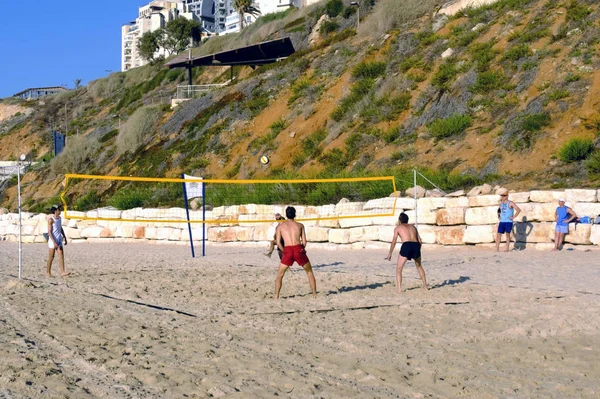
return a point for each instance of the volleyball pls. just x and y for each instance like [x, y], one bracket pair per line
[264, 159]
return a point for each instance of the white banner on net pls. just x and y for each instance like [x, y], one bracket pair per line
[193, 189]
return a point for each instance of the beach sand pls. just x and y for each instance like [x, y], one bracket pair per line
[149, 321]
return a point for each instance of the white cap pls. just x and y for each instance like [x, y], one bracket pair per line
[561, 200]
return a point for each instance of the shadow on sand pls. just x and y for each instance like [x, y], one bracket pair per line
[460, 280]
[358, 287]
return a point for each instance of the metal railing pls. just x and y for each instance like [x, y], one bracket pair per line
[194, 91]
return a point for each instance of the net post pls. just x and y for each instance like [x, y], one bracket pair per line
[187, 214]
[20, 223]
[415, 195]
[203, 219]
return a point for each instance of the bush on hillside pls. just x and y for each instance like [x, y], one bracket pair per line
[576, 150]
[369, 70]
[451, 126]
[392, 14]
[138, 127]
[593, 163]
[327, 27]
[79, 152]
[535, 122]
[333, 8]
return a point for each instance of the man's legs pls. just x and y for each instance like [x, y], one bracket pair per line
[311, 278]
[507, 241]
[421, 273]
[498, 242]
[278, 281]
[271, 247]
[558, 237]
[49, 265]
[401, 261]
[61, 262]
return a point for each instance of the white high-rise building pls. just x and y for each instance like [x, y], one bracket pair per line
[153, 16]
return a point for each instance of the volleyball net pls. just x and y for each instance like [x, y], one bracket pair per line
[165, 200]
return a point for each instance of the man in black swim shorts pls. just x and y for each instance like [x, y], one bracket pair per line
[410, 249]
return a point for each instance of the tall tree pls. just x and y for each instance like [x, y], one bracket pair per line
[180, 34]
[149, 44]
[244, 7]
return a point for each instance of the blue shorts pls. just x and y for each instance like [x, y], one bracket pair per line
[562, 229]
[505, 227]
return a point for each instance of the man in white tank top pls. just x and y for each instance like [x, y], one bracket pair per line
[56, 237]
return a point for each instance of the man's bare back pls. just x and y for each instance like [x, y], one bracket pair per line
[407, 233]
[292, 232]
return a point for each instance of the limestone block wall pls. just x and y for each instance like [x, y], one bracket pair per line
[463, 220]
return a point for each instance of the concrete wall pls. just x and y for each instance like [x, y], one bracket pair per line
[464, 220]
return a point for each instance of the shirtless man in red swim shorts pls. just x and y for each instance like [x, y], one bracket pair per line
[411, 249]
[294, 236]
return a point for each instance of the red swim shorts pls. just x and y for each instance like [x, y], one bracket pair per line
[295, 253]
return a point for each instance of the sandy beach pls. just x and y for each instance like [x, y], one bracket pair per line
[149, 321]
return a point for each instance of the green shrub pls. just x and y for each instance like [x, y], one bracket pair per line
[593, 163]
[576, 150]
[488, 81]
[80, 152]
[333, 8]
[130, 198]
[258, 102]
[334, 160]
[136, 129]
[310, 147]
[426, 38]
[572, 77]
[535, 122]
[369, 70]
[402, 155]
[108, 136]
[327, 27]
[358, 91]
[517, 52]
[348, 12]
[557, 94]
[299, 88]
[483, 54]
[577, 12]
[87, 202]
[445, 75]
[451, 126]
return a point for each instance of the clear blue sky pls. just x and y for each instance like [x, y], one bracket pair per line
[54, 43]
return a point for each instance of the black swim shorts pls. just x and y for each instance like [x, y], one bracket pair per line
[410, 250]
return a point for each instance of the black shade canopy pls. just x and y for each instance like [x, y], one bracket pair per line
[257, 54]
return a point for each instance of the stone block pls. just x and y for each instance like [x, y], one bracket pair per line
[317, 234]
[386, 233]
[459, 193]
[264, 232]
[346, 208]
[151, 233]
[71, 233]
[481, 215]
[244, 233]
[384, 203]
[368, 233]
[519, 197]
[546, 196]
[578, 233]
[363, 219]
[423, 216]
[457, 202]
[138, 232]
[447, 235]
[528, 232]
[75, 215]
[248, 209]
[332, 223]
[428, 234]
[536, 212]
[91, 232]
[450, 216]
[387, 220]
[480, 234]
[591, 209]
[595, 234]
[419, 190]
[405, 203]
[339, 236]
[221, 234]
[109, 213]
[325, 210]
[484, 200]
[431, 202]
[579, 195]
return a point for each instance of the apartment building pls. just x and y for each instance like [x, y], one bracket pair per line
[152, 16]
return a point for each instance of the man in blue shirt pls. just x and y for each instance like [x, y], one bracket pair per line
[562, 216]
[507, 211]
